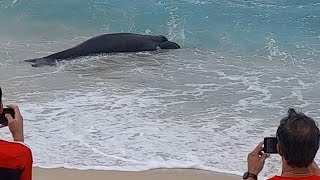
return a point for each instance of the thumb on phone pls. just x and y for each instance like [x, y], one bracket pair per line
[9, 118]
[11, 123]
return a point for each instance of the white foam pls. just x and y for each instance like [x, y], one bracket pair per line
[183, 109]
[69, 116]
[199, 2]
[14, 2]
[176, 25]
[148, 31]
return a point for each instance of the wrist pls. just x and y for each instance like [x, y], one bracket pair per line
[249, 176]
[18, 137]
[252, 171]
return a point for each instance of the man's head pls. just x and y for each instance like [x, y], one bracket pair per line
[298, 139]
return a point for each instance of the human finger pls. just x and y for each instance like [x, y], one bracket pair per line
[15, 108]
[258, 149]
[12, 106]
[9, 118]
[264, 156]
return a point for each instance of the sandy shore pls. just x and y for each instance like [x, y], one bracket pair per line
[158, 174]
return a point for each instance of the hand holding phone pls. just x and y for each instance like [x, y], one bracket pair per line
[270, 145]
[3, 119]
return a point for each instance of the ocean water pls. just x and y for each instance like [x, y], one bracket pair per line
[242, 64]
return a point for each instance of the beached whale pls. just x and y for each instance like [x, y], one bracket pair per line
[108, 43]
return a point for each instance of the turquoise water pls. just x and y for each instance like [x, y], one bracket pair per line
[206, 105]
[227, 24]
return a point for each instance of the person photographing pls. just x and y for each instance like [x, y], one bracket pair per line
[297, 143]
[15, 157]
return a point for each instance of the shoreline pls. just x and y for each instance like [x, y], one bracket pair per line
[154, 174]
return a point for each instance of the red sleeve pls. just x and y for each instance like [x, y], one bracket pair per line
[15, 155]
[313, 177]
[273, 178]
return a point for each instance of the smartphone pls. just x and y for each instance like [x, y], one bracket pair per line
[3, 119]
[270, 145]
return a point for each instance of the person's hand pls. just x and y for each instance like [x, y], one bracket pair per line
[15, 125]
[256, 159]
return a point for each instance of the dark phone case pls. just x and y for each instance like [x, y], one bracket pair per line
[3, 119]
[270, 145]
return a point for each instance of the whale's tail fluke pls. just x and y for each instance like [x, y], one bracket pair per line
[41, 62]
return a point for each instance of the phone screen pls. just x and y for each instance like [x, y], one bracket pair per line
[270, 145]
[3, 119]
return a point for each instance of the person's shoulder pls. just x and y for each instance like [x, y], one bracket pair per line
[314, 177]
[13, 142]
[14, 145]
[275, 178]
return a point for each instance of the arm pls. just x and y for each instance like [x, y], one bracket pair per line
[16, 129]
[256, 160]
[16, 124]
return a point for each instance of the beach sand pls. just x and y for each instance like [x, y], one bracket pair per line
[158, 174]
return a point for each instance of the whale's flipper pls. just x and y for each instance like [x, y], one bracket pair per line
[42, 62]
[30, 60]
